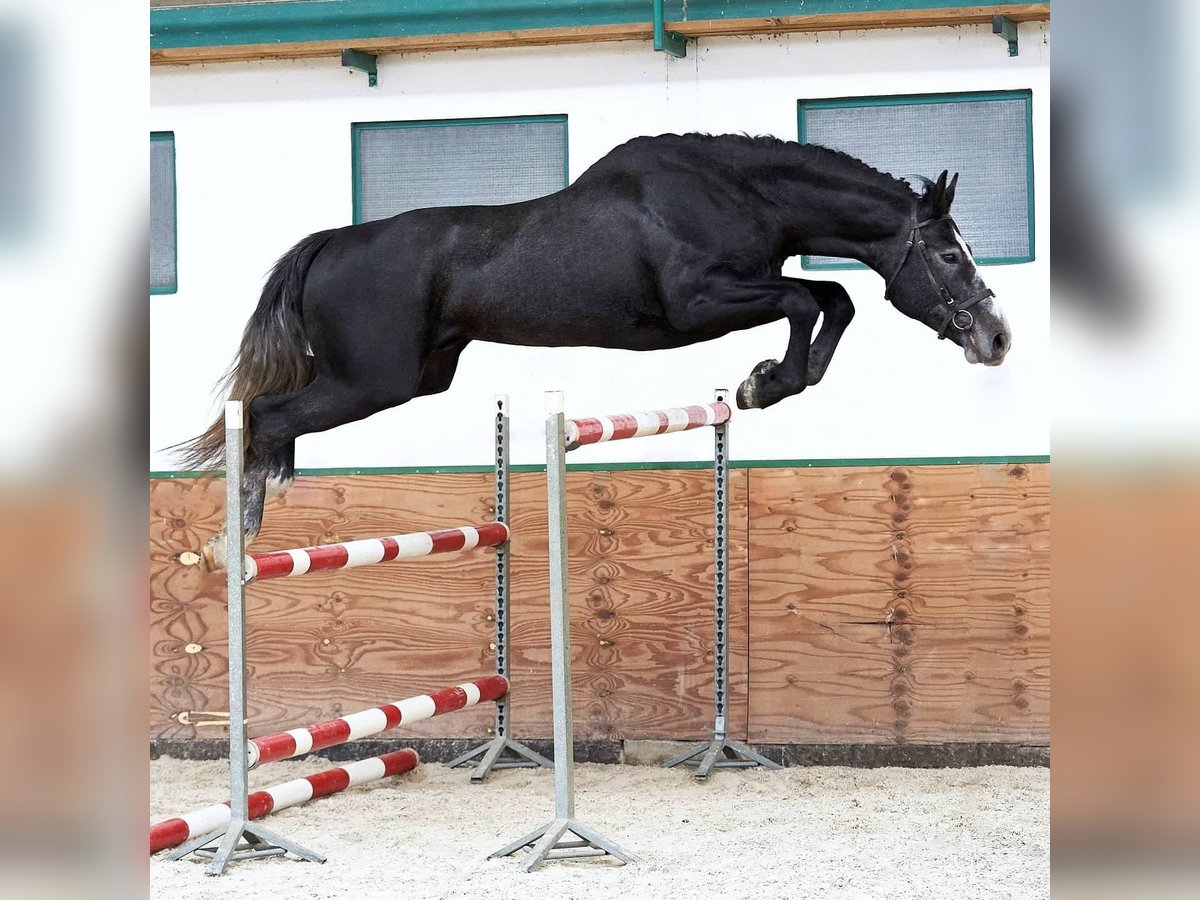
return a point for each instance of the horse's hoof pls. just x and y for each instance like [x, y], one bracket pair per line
[747, 394]
[212, 557]
[764, 367]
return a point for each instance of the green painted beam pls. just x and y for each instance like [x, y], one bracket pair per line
[671, 43]
[301, 21]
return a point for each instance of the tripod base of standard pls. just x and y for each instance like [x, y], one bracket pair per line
[720, 753]
[259, 843]
[563, 839]
[500, 753]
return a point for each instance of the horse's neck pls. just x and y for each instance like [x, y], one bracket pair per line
[857, 219]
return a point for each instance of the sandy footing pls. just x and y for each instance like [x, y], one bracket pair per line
[802, 832]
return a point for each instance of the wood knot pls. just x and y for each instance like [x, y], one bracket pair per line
[605, 642]
[1018, 471]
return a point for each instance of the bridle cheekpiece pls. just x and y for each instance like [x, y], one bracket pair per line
[958, 312]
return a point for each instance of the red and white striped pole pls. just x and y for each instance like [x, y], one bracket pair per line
[173, 832]
[630, 425]
[347, 555]
[299, 741]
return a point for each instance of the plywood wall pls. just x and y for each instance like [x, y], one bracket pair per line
[900, 604]
[867, 605]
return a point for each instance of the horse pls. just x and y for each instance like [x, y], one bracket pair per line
[665, 241]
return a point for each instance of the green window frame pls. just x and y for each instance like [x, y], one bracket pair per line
[803, 107]
[357, 129]
[173, 286]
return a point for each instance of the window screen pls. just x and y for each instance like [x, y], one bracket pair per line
[400, 166]
[163, 276]
[987, 137]
[17, 137]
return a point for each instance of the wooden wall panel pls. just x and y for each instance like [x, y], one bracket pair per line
[893, 604]
[321, 646]
[867, 605]
[640, 545]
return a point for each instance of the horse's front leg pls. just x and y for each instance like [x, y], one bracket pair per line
[725, 301]
[772, 381]
[837, 311]
[804, 364]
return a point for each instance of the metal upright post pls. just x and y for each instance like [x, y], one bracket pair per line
[501, 752]
[722, 751]
[260, 842]
[581, 839]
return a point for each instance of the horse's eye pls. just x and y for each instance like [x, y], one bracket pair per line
[950, 257]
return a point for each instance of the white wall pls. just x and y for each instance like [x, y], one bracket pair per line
[263, 158]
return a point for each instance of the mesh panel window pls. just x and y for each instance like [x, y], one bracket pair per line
[400, 166]
[986, 137]
[163, 276]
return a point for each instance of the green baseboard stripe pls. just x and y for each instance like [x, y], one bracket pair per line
[1014, 459]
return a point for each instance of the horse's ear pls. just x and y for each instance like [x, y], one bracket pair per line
[950, 189]
[938, 199]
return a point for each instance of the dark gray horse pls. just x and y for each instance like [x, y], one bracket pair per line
[664, 242]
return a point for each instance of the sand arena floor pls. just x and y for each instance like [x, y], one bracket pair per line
[802, 832]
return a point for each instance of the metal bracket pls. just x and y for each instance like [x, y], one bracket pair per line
[670, 42]
[363, 62]
[1007, 29]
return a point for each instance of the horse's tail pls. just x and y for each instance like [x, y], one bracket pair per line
[273, 357]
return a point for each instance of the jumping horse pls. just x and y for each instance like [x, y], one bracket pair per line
[665, 241]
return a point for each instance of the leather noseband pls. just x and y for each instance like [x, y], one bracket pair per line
[958, 312]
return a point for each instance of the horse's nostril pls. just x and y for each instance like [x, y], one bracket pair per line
[1000, 343]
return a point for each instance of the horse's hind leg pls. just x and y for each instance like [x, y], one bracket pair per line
[276, 421]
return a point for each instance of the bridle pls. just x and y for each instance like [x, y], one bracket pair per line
[958, 312]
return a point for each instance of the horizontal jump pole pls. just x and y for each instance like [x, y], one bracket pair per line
[173, 832]
[630, 425]
[347, 555]
[299, 741]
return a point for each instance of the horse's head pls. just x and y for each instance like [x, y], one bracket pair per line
[934, 279]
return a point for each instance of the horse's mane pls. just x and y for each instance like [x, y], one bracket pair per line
[817, 153]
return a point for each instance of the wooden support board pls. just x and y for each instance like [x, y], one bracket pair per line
[900, 604]
[323, 645]
[866, 605]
